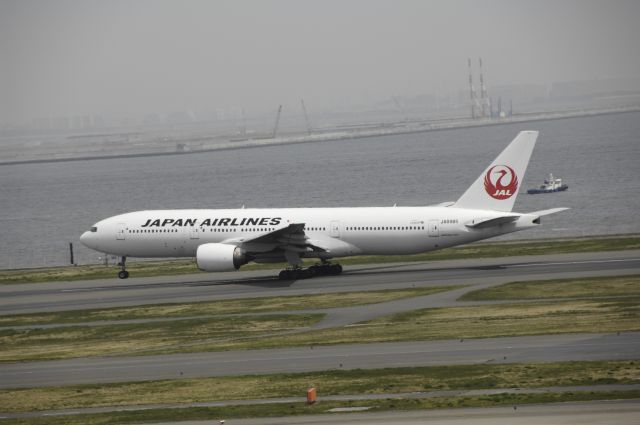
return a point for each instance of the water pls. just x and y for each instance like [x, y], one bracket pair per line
[46, 206]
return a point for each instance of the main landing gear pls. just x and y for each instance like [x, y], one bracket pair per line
[323, 269]
[123, 273]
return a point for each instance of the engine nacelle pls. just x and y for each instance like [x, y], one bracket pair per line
[218, 257]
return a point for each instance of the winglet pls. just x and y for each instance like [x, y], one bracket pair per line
[497, 187]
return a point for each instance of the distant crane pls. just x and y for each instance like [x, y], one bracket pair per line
[484, 98]
[275, 127]
[475, 104]
[306, 116]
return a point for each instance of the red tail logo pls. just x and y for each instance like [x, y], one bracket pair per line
[501, 182]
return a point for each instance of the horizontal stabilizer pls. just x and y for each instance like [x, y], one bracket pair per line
[542, 213]
[490, 222]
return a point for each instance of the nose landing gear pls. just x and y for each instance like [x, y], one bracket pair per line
[123, 273]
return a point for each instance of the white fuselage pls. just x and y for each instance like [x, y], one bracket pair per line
[340, 231]
[222, 240]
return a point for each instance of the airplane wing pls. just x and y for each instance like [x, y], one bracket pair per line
[548, 212]
[489, 222]
[291, 238]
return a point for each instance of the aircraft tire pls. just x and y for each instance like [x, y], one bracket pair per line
[123, 274]
[284, 275]
[302, 274]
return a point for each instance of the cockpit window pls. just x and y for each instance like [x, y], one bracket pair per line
[94, 229]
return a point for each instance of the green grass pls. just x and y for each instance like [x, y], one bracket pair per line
[613, 286]
[472, 322]
[214, 308]
[510, 249]
[200, 326]
[216, 333]
[143, 338]
[323, 407]
[89, 272]
[484, 250]
[332, 382]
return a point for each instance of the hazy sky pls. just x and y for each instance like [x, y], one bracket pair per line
[130, 58]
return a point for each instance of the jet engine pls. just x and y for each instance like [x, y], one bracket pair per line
[218, 257]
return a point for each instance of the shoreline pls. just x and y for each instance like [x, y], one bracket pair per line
[398, 128]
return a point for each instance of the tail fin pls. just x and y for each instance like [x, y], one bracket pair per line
[497, 187]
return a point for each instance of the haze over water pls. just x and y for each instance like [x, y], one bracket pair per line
[46, 206]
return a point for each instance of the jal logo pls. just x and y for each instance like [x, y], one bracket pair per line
[501, 182]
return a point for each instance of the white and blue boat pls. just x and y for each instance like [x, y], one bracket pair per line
[550, 185]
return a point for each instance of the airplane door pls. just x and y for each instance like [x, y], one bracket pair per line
[334, 229]
[120, 229]
[193, 234]
[434, 228]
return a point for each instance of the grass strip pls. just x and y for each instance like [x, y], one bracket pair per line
[143, 338]
[486, 321]
[331, 382]
[611, 286]
[484, 250]
[213, 308]
[257, 332]
[512, 248]
[293, 409]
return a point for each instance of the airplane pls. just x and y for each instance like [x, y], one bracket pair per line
[226, 239]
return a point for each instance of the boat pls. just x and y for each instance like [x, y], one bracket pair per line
[550, 185]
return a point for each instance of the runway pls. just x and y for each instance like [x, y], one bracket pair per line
[59, 296]
[477, 273]
[624, 412]
[611, 388]
[543, 348]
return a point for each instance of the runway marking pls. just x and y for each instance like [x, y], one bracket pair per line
[559, 263]
[434, 350]
[81, 289]
[564, 263]
[390, 266]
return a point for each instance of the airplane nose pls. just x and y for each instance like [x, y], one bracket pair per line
[85, 238]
